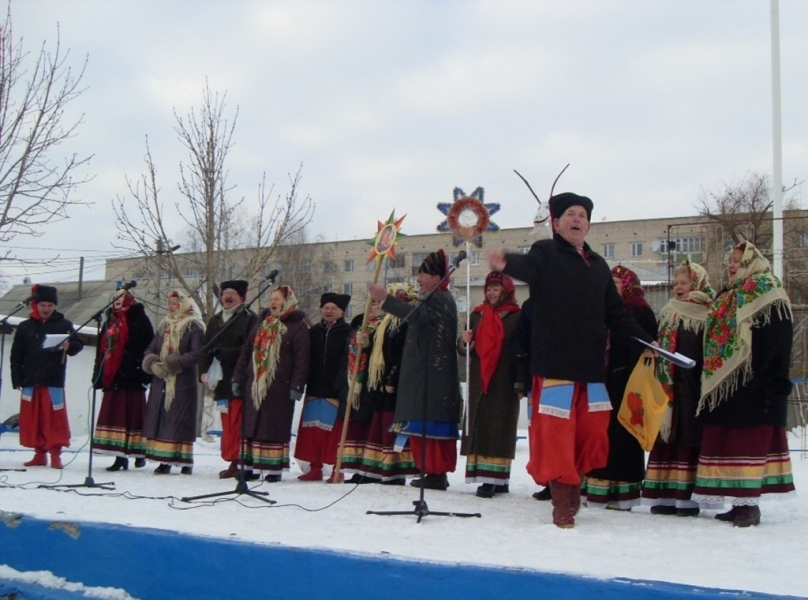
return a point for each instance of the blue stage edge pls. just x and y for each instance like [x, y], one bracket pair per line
[150, 563]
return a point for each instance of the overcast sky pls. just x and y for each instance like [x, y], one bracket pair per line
[393, 104]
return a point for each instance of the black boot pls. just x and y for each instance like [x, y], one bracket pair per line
[187, 470]
[140, 463]
[272, 478]
[502, 488]
[120, 463]
[746, 516]
[486, 490]
[728, 516]
[162, 469]
[543, 495]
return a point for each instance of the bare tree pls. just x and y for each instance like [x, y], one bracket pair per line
[216, 224]
[36, 185]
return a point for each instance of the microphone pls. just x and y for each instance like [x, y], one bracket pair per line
[27, 300]
[273, 274]
[461, 256]
[129, 285]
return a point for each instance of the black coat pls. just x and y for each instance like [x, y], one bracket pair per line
[130, 375]
[626, 460]
[384, 397]
[429, 364]
[574, 305]
[227, 347]
[327, 360]
[763, 400]
[686, 427]
[31, 365]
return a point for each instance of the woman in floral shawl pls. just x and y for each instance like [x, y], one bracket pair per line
[744, 390]
[671, 471]
[171, 359]
[489, 436]
[123, 341]
[271, 374]
[618, 485]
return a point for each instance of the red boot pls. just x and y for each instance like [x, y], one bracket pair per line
[56, 458]
[229, 472]
[40, 460]
[562, 507]
[333, 478]
[314, 474]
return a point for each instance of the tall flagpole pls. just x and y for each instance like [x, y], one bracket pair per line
[777, 145]
[468, 326]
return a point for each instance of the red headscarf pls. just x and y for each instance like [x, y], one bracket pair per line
[113, 340]
[632, 292]
[490, 335]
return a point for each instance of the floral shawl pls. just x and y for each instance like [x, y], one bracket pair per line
[266, 351]
[113, 340]
[174, 327]
[747, 301]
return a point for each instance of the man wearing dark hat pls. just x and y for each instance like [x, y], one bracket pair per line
[317, 441]
[40, 374]
[428, 395]
[575, 307]
[226, 350]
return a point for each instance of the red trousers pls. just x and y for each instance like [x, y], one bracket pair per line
[566, 449]
[231, 430]
[42, 427]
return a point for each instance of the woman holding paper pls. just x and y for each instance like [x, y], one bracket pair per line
[617, 485]
[118, 371]
[671, 471]
[744, 391]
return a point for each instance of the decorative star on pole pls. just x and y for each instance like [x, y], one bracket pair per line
[468, 217]
[386, 238]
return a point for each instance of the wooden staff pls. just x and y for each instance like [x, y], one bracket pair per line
[337, 474]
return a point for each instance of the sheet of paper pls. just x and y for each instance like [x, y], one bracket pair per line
[54, 339]
[680, 360]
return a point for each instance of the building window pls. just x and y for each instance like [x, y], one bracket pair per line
[347, 288]
[326, 288]
[636, 249]
[348, 266]
[689, 244]
[608, 250]
[474, 260]
[306, 266]
[524, 249]
[328, 266]
[398, 263]
[370, 266]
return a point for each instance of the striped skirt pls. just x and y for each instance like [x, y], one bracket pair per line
[488, 469]
[670, 475]
[739, 464]
[119, 430]
[380, 461]
[271, 458]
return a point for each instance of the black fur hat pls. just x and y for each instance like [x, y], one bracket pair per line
[561, 202]
[46, 293]
[341, 300]
[239, 285]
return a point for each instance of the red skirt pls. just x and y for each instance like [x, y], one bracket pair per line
[119, 430]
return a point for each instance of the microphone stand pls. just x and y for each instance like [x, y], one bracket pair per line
[242, 489]
[89, 482]
[6, 328]
[421, 509]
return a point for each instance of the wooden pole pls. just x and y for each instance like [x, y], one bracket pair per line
[336, 476]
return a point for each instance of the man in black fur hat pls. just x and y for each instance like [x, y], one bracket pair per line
[429, 384]
[40, 374]
[317, 442]
[575, 307]
[226, 351]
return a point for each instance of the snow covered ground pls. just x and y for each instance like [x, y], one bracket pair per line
[515, 530]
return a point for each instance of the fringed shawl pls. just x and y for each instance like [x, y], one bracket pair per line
[376, 367]
[174, 327]
[267, 347]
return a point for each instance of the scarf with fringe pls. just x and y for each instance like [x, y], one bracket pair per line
[353, 350]
[266, 352]
[691, 314]
[376, 367]
[174, 327]
[747, 301]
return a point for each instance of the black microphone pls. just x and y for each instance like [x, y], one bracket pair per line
[461, 256]
[27, 300]
[273, 274]
[129, 286]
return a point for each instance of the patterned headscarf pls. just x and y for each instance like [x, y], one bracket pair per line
[406, 293]
[174, 327]
[747, 299]
[266, 351]
[691, 314]
[630, 282]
